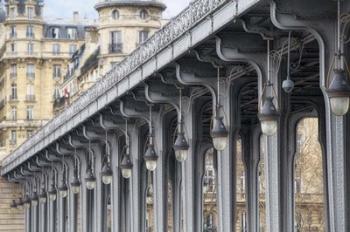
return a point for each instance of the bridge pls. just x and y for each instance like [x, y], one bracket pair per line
[218, 72]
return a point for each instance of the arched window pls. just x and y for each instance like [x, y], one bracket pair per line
[240, 189]
[13, 91]
[13, 113]
[143, 14]
[107, 208]
[149, 204]
[308, 179]
[261, 186]
[115, 14]
[209, 193]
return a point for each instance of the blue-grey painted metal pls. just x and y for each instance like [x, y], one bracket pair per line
[185, 55]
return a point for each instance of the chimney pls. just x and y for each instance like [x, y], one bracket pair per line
[75, 16]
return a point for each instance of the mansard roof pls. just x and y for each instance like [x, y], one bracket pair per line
[139, 3]
[194, 24]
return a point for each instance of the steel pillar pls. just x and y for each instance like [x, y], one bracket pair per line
[251, 154]
[324, 31]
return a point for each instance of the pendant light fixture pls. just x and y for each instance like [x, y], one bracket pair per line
[150, 156]
[126, 164]
[339, 88]
[34, 199]
[90, 178]
[181, 145]
[75, 184]
[268, 113]
[26, 202]
[42, 195]
[218, 132]
[63, 189]
[288, 84]
[52, 190]
[107, 173]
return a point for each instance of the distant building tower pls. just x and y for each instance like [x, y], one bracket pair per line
[33, 55]
[123, 25]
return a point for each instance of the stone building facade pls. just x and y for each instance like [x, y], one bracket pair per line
[122, 27]
[41, 62]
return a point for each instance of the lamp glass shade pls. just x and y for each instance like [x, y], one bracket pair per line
[151, 165]
[75, 189]
[126, 166]
[91, 184]
[339, 92]
[63, 193]
[220, 143]
[181, 147]
[34, 203]
[107, 174]
[52, 196]
[107, 179]
[219, 134]
[340, 105]
[269, 128]
[181, 155]
[42, 199]
[75, 185]
[151, 158]
[269, 117]
[90, 180]
[126, 173]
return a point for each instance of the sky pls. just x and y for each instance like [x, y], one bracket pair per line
[65, 8]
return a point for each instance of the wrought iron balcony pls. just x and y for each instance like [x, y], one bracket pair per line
[116, 48]
[30, 97]
[13, 141]
[13, 35]
[30, 75]
[2, 103]
[13, 97]
[13, 75]
[30, 35]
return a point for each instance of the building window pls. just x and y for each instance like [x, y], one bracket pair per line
[30, 48]
[30, 71]
[13, 91]
[143, 36]
[13, 32]
[56, 71]
[13, 47]
[29, 112]
[30, 93]
[13, 139]
[30, 12]
[13, 71]
[116, 45]
[72, 49]
[30, 32]
[13, 113]
[56, 93]
[115, 14]
[55, 32]
[56, 49]
[29, 133]
[72, 33]
[12, 12]
[143, 14]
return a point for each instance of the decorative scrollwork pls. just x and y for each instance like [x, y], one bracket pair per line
[176, 27]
